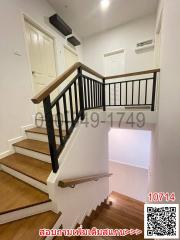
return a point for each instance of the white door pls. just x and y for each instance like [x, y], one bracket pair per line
[114, 64]
[70, 58]
[42, 58]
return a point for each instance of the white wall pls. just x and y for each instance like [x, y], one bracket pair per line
[130, 146]
[85, 154]
[125, 36]
[129, 180]
[15, 83]
[165, 165]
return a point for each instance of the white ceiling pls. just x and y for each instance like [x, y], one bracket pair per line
[86, 17]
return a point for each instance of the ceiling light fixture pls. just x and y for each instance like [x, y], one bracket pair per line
[105, 4]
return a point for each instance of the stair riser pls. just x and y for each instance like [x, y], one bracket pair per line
[25, 178]
[42, 124]
[33, 154]
[40, 137]
[25, 212]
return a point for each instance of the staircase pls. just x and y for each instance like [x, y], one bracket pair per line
[25, 206]
[122, 212]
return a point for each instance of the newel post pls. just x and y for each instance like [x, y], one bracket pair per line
[50, 133]
[81, 97]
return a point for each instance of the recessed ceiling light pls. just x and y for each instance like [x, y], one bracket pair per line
[105, 4]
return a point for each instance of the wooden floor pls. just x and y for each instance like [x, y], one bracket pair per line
[28, 166]
[125, 212]
[28, 228]
[16, 194]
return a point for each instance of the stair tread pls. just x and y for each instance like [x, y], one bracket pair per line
[43, 131]
[28, 228]
[34, 145]
[125, 212]
[29, 166]
[16, 194]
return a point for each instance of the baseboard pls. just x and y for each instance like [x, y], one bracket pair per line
[11, 149]
[129, 164]
[5, 154]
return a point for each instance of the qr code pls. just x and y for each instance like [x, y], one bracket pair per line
[161, 221]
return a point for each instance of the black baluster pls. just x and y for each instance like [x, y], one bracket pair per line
[126, 93]
[114, 93]
[98, 95]
[88, 89]
[71, 106]
[85, 94]
[109, 94]
[81, 97]
[65, 114]
[139, 92]
[76, 99]
[132, 92]
[146, 93]
[59, 124]
[92, 100]
[94, 88]
[103, 95]
[120, 93]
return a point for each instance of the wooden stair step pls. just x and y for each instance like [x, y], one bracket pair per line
[28, 166]
[16, 194]
[28, 228]
[123, 213]
[34, 145]
[43, 131]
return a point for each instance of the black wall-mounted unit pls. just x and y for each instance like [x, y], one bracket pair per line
[74, 41]
[58, 23]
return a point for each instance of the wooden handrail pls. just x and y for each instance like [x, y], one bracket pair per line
[91, 71]
[133, 74]
[72, 182]
[54, 84]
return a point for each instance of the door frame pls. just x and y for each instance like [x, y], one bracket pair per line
[26, 18]
[113, 52]
[71, 50]
[65, 46]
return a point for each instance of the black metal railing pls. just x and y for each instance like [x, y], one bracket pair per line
[92, 92]
[132, 93]
[83, 93]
